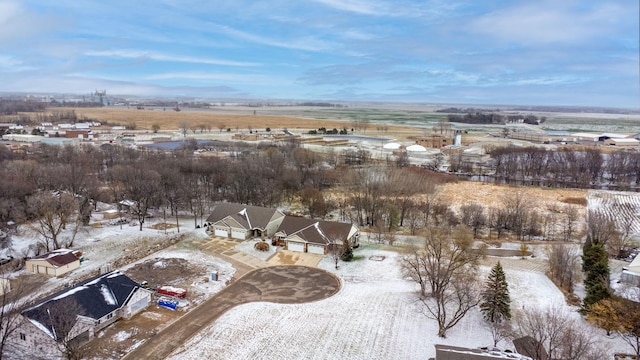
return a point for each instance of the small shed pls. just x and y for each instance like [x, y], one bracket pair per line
[55, 263]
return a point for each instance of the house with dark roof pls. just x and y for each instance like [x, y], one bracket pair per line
[54, 263]
[447, 352]
[77, 314]
[314, 236]
[239, 221]
[531, 347]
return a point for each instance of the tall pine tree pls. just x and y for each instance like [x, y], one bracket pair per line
[595, 263]
[496, 302]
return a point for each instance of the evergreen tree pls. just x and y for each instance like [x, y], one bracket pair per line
[496, 302]
[595, 262]
[347, 251]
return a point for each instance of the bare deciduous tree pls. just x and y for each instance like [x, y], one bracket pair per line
[53, 212]
[600, 227]
[564, 262]
[500, 331]
[558, 336]
[12, 300]
[443, 269]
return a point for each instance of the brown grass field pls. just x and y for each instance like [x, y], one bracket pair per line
[171, 119]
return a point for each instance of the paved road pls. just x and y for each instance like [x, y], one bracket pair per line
[280, 284]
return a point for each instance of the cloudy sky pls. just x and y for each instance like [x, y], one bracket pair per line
[543, 52]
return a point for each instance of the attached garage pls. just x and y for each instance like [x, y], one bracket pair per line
[221, 232]
[315, 249]
[238, 234]
[295, 246]
[138, 305]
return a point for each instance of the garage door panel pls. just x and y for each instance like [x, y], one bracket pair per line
[237, 234]
[315, 249]
[295, 246]
[222, 233]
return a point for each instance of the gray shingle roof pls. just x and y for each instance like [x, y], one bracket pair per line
[93, 298]
[250, 217]
[314, 231]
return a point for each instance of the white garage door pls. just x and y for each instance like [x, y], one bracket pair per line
[238, 234]
[221, 232]
[139, 305]
[295, 246]
[315, 249]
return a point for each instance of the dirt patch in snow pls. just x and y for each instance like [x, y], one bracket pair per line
[162, 271]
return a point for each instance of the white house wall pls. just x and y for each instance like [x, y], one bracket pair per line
[36, 343]
[132, 306]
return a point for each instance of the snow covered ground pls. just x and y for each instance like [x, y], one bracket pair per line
[374, 316]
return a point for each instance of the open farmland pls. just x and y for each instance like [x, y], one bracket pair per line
[618, 205]
[242, 118]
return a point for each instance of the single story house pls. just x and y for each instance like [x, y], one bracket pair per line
[631, 273]
[76, 314]
[237, 221]
[314, 236]
[55, 263]
[446, 352]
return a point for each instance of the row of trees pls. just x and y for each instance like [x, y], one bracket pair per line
[494, 118]
[565, 167]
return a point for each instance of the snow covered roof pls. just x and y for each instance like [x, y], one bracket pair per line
[250, 217]
[586, 135]
[416, 148]
[615, 136]
[57, 258]
[635, 265]
[93, 298]
[315, 231]
[626, 140]
[392, 146]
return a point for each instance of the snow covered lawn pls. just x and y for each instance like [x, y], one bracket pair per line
[374, 316]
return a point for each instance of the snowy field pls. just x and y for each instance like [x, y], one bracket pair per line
[374, 316]
[617, 205]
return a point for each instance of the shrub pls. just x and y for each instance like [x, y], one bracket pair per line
[261, 246]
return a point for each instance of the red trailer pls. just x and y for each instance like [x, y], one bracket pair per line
[172, 291]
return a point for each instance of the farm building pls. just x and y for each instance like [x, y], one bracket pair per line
[435, 141]
[242, 221]
[77, 314]
[622, 142]
[22, 138]
[314, 236]
[416, 148]
[585, 137]
[57, 141]
[55, 263]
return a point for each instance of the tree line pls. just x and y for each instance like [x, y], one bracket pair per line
[565, 167]
[494, 118]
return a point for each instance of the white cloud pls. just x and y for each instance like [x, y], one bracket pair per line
[307, 43]
[356, 6]
[137, 54]
[257, 79]
[547, 22]
[8, 10]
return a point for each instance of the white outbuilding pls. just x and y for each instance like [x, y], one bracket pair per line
[392, 146]
[416, 148]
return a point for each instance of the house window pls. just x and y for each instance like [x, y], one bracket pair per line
[110, 316]
[23, 337]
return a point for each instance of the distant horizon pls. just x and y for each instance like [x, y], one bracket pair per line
[547, 53]
[281, 102]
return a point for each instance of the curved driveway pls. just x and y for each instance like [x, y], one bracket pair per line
[279, 284]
